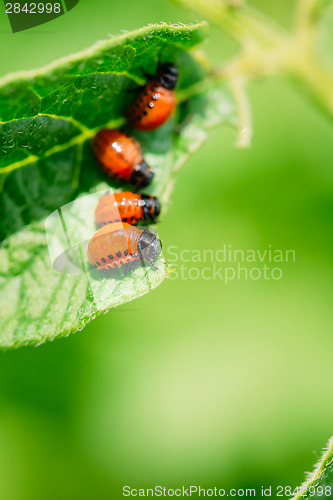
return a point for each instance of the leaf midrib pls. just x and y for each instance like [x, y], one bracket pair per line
[75, 141]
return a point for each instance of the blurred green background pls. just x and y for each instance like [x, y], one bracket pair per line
[198, 382]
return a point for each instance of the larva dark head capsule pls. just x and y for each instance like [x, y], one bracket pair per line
[151, 207]
[168, 75]
[141, 175]
[149, 246]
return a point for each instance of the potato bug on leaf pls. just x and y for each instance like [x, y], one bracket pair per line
[119, 247]
[127, 207]
[120, 156]
[156, 102]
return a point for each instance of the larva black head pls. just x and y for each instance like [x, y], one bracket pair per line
[149, 246]
[168, 75]
[141, 175]
[151, 207]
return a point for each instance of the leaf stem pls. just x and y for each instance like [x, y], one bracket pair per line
[201, 86]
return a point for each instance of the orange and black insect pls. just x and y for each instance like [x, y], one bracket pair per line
[120, 156]
[156, 102]
[126, 207]
[119, 247]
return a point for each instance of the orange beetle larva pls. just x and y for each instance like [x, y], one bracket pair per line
[119, 246]
[156, 102]
[126, 207]
[120, 156]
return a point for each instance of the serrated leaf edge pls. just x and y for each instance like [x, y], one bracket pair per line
[320, 468]
[100, 45]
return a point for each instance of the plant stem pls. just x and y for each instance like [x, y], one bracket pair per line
[306, 15]
[269, 50]
[243, 23]
[237, 86]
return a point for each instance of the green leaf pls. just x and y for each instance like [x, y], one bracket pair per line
[48, 118]
[320, 483]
